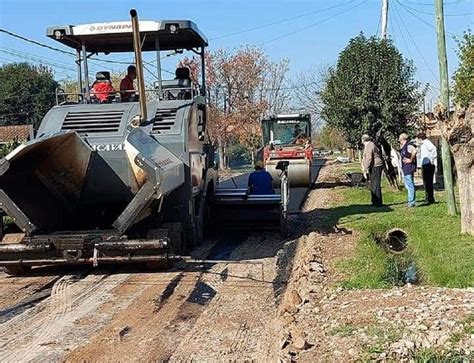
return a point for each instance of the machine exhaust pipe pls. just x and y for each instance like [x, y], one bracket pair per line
[139, 65]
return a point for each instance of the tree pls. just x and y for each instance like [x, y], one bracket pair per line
[307, 92]
[459, 130]
[330, 138]
[464, 75]
[27, 92]
[243, 86]
[371, 90]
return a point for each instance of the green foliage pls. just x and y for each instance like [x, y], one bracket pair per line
[344, 330]
[442, 255]
[8, 147]
[27, 92]
[238, 154]
[330, 139]
[432, 355]
[371, 90]
[464, 76]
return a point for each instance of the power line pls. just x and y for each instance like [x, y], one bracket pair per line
[280, 21]
[38, 61]
[419, 18]
[391, 27]
[30, 56]
[35, 42]
[433, 14]
[403, 35]
[378, 26]
[416, 46]
[431, 4]
[23, 54]
[10, 60]
[396, 15]
[312, 25]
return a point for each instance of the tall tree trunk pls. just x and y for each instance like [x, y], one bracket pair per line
[221, 155]
[459, 132]
[463, 158]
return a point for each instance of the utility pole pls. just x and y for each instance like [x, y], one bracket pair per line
[384, 19]
[444, 87]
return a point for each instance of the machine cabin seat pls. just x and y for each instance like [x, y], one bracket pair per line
[179, 88]
[102, 90]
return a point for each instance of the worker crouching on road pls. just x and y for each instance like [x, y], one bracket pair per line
[372, 165]
[260, 181]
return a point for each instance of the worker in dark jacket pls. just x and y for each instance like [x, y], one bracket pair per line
[408, 154]
[372, 167]
[260, 181]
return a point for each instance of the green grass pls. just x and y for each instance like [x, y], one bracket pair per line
[430, 355]
[344, 330]
[468, 324]
[442, 255]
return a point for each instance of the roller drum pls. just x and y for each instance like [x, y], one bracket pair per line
[299, 173]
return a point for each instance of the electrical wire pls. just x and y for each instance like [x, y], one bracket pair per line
[36, 59]
[378, 26]
[279, 21]
[8, 60]
[397, 23]
[391, 29]
[431, 4]
[35, 42]
[421, 19]
[23, 55]
[311, 25]
[433, 14]
[416, 46]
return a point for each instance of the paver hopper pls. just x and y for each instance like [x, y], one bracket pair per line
[115, 181]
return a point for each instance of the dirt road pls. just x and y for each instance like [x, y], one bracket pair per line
[202, 312]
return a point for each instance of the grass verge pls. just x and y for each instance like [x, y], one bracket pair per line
[442, 256]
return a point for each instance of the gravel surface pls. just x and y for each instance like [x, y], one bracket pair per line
[323, 322]
[265, 300]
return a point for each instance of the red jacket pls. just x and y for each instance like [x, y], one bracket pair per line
[102, 90]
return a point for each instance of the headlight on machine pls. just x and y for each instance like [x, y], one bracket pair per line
[301, 155]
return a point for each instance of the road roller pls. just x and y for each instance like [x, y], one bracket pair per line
[288, 137]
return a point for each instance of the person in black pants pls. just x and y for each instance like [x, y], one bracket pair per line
[428, 155]
[372, 165]
[375, 176]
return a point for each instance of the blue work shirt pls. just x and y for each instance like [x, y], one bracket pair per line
[260, 182]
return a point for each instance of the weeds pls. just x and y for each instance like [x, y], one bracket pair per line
[344, 330]
[442, 256]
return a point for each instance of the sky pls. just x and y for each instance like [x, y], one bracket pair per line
[308, 33]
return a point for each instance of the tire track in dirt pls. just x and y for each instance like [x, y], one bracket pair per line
[147, 327]
[29, 334]
[17, 289]
[235, 323]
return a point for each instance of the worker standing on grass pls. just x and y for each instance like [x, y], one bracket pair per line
[428, 156]
[408, 154]
[372, 165]
[260, 181]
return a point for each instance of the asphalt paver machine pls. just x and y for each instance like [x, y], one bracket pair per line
[114, 181]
